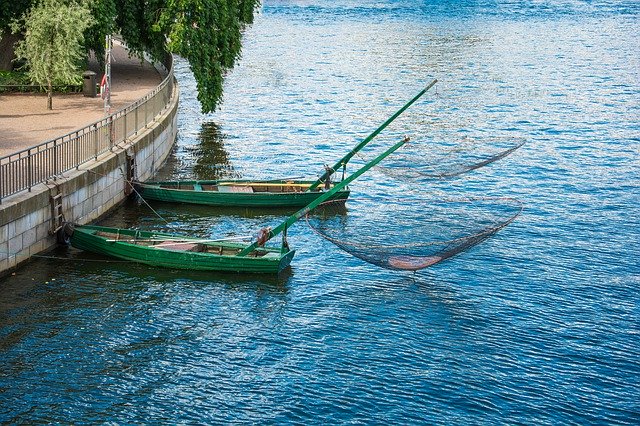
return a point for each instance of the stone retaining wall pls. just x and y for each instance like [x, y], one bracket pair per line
[28, 219]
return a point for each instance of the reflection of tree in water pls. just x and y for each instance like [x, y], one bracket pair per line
[211, 159]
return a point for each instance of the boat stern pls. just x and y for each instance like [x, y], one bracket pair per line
[285, 260]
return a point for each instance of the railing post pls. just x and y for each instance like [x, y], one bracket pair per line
[55, 158]
[29, 170]
[77, 151]
[75, 148]
[124, 135]
[111, 135]
[95, 141]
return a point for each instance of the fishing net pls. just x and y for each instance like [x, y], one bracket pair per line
[412, 234]
[424, 159]
[450, 136]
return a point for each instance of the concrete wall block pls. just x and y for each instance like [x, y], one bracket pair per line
[109, 204]
[40, 215]
[72, 199]
[87, 206]
[38, 247]
[118, 190]
[102, 182]
[46, 214]
[32, 220]
[29, 237]
[141, 163]
[22, 224]
[42, 230]
[115, 191]
[117, 173]
[110, 190]
[98, 199]
[4, 232]
[80, 195]
[11, 230]
[76, 213]
[4, 250]
[105, 194]
[22, 255]
[15, 245]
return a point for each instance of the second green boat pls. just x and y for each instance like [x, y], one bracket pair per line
[237, 193]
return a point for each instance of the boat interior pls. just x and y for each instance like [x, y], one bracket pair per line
[182, 245]
[239, 187]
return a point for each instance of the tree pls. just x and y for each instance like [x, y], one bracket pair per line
[52, 46]
[207, 33]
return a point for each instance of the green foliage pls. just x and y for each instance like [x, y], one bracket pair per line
[135, 20]
[52, 46]
[10, 10]
[19, 81]
[14, 78]
[103, 12]
[207, 33]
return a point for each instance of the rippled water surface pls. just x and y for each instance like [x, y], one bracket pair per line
[538, 324]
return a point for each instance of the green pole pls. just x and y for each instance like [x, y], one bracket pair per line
[322, 198]
[344, 160]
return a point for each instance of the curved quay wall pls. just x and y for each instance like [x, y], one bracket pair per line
[81, 176]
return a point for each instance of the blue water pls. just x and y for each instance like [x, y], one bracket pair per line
[539, 324]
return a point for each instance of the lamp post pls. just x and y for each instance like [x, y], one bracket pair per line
[105, 87]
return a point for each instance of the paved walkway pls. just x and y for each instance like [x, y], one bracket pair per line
[25, 120]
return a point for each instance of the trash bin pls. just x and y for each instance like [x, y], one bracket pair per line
[89, 84]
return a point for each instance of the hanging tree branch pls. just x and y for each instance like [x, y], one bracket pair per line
[207, 33]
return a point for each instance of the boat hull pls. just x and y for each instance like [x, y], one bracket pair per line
[236, 193]
[121, 243]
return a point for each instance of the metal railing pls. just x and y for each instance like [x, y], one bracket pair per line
[40, 163]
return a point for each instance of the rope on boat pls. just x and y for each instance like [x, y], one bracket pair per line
[130, 182]
[44, 256]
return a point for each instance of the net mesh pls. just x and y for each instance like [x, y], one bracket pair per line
[412, 234]
[432, 159]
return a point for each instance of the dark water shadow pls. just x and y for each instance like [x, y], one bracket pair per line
[82, 262]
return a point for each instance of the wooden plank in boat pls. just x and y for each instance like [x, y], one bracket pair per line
[234, 188]
[179, 246]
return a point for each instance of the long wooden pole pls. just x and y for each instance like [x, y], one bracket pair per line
[270, 233]
[344, 160]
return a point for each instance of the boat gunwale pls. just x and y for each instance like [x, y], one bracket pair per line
[305, 185]
[92, 230]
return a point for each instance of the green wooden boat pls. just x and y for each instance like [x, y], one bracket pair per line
[266, 193]
[237, 193]
[181, 252]
[178, 252]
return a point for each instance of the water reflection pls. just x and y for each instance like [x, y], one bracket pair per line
[212, 160]
[86, 263]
